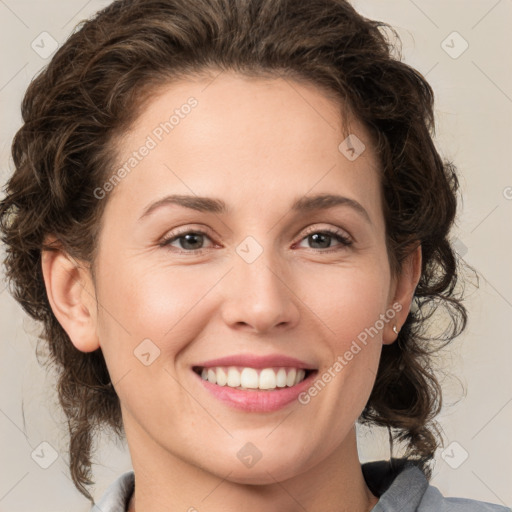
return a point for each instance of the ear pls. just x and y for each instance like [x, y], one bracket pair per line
[402, 293]
[71, 294]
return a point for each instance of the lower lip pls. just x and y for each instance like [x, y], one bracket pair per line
[257, 401]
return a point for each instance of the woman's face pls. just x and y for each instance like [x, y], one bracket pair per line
[266, 276]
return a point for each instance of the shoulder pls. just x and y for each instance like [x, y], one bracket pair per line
[117, 495]
[402, 485]
[434, 500]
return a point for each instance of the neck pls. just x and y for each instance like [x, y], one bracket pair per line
[169, 483]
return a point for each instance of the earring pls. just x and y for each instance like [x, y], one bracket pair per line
[395, 330]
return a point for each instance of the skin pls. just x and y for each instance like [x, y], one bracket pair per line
[258, 145]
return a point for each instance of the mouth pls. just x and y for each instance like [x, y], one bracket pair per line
[256, 383]
[253, 379]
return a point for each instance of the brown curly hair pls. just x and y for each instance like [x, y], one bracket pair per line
[97, 84]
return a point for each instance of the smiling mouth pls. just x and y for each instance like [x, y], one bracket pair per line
[253, 379]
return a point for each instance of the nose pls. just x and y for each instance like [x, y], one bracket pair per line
[260, 296]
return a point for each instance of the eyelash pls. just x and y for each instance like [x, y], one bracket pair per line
[344, 240]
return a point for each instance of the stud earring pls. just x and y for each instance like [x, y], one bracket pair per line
[395, 330]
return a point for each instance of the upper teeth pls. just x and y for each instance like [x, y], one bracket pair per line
[251, 378]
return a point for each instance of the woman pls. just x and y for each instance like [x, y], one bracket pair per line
[222, 213]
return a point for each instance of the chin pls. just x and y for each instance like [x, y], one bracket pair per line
[265, 470]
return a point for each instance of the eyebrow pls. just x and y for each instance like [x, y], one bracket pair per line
[218, 206]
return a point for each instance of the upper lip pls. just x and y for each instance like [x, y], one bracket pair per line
[255, 361]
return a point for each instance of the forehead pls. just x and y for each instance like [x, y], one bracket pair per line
[246, 137]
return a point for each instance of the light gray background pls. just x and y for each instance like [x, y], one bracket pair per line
[474, 107]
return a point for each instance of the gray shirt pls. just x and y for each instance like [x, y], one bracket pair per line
[401, 488]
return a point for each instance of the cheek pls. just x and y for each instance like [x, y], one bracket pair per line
[348, 300]
[158, 304]
[156, 312]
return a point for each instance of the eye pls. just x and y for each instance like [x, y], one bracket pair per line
[193, 241]
[189, 241]
[322, 239]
